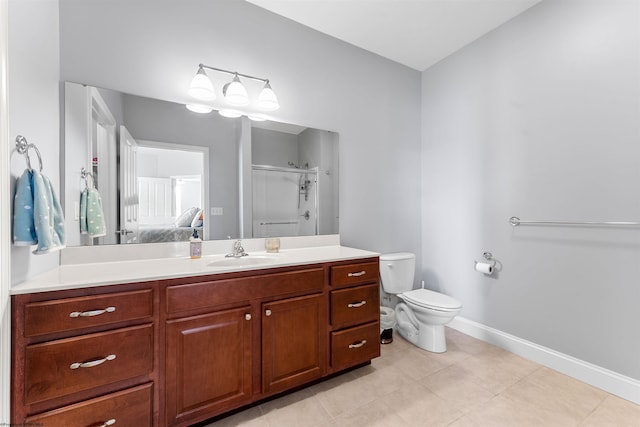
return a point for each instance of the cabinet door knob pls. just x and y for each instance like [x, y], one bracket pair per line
[247, 316]
[107, 423]
[267, 312]
[92, 363]
[92, 313]
[356, 304]
[358, 344]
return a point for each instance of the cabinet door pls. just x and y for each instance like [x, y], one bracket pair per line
[208, 365]
[293, 342]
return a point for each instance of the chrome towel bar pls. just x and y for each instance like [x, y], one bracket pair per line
[515, 221]
[278, 222]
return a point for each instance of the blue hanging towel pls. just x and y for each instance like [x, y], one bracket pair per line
[24, 230]
[37, 214]
[91, 213]
[47, 216]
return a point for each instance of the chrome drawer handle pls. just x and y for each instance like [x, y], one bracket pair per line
[358, 274]
[92, 312]
[92, 363]
[356, 304]
[107, 423]
[358, 344]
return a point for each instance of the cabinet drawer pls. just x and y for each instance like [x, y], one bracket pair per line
[352, 306]
[130, 407]
[52, 369]
[67, 314]
[227, 291]
[356, 345]
[353, 274]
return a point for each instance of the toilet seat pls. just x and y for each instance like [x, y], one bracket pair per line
[431, 300]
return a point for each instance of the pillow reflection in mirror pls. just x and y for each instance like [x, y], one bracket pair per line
[186, 218]
[198, 219]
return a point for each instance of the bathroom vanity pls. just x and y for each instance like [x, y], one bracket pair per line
[176, 349]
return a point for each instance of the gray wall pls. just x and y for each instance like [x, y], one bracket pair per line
[273, 148]
[539, 119]
[34, 106]
[311, 73]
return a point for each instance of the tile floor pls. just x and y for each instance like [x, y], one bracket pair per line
[472, 384]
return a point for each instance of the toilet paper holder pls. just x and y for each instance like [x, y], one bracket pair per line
[483, 267]
[489, 257]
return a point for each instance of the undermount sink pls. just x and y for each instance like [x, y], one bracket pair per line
[245, 261]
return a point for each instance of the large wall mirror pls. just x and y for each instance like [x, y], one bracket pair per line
[163, 172]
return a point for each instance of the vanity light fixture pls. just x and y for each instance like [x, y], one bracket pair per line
[231, 114]
[234, 92]
[267, 99]
[201, 87]
[196, 108]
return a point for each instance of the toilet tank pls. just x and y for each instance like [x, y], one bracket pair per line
[396, 272]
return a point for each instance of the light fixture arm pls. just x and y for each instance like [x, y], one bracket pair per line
[234, 73]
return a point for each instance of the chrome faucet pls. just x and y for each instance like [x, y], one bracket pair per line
[238, 250]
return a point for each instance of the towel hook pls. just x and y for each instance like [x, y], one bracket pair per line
[86, 176]
[23, 146]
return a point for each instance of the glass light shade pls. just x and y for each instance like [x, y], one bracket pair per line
[267, 99]
[229, 114]
[201, 87]
[257, 118]
[235, 93]
[202, 109]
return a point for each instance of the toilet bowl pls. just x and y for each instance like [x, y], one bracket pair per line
[422, 316]
[422, 313]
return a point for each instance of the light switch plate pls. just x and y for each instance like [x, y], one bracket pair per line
[216, 211]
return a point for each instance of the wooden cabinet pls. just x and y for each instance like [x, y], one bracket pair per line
[293, 342]
[231, 341]
[131, 407]
[180, 351]
[68, 314]
[353, 306]
[84, 359]
[355, 314]
[61, 367]
[208, 366]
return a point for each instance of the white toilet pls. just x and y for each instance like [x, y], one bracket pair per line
[422, 314]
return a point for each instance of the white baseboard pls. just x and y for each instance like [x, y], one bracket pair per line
[609, 381]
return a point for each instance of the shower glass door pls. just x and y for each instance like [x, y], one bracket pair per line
[285, 201]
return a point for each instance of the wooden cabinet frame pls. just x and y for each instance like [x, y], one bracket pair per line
[218, 342]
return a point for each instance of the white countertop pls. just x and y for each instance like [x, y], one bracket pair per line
[73, 276]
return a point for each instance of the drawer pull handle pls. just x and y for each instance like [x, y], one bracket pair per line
[267, 312]
[92, 363]
[356, 304]
[108, 423]
[247, 316]
[92, 312]
[357, 274]
[358, 344]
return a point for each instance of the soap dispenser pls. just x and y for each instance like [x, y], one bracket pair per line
[195, 245]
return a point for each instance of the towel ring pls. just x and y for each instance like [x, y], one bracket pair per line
[23, 146]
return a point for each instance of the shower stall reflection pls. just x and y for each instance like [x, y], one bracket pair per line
[285, 201]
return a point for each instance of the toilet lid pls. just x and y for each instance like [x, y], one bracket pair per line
[431, 299]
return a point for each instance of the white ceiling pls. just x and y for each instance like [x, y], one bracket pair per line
[416, 33]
